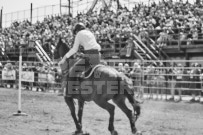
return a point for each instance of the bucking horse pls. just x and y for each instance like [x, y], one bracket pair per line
[104, 83]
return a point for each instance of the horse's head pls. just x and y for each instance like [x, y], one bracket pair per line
[60, 50]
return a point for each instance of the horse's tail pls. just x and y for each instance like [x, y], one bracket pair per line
[126, 88]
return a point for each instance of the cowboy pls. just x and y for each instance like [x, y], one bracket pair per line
[195, 84]
[136, 75]
[92, 55]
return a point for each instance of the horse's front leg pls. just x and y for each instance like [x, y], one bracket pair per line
[70, 103]
[80, 111]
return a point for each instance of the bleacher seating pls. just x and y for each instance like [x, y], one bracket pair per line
[112, 34]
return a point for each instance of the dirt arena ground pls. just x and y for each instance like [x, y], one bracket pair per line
[49, 115]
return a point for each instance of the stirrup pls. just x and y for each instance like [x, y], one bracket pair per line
[86, 72]
[82, 75]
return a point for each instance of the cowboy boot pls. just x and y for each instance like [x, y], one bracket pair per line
[62, 91]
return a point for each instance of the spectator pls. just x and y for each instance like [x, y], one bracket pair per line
[179, 79]
[136, 75]
[161, 81]
[195, 84]
[121, 68]
[130, 46]
[144, 36]
[150, 79]
[172, 81]
[186, 77]
[127, 69]
[163, 39]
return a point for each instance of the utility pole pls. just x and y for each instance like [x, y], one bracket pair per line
[66, 6]
[60, 7]
[31, 13]
[1, 17]
[69, 7]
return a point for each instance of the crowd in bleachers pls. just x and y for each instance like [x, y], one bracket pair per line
[164, 19]
[160, 21]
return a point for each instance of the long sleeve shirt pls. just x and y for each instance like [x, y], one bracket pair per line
[86, 39]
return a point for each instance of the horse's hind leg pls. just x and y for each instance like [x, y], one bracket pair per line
[110, 108]
[120, 102]
[70, 103]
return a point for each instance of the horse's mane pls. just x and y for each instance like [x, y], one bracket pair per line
[62, 47]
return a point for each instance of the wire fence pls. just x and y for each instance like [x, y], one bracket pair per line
[39, 13]
[76, 7]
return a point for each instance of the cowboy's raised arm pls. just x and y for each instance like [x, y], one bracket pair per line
[75, 47]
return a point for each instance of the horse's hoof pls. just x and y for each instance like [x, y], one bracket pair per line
[78, 133]
[114, 133]
[86, 134]
[134, 131]
[138, 133]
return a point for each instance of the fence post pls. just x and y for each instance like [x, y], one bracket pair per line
[60, 7]
[142, 77]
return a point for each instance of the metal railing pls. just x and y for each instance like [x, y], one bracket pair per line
[149, 82]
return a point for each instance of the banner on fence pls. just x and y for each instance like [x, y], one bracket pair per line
[46, 78]
[27, 76]
[8, 75]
